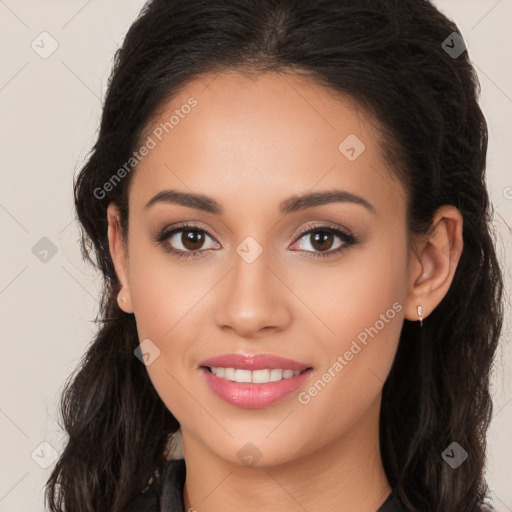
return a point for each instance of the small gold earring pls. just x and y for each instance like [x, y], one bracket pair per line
[420, 313]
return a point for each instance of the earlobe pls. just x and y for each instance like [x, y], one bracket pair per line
[124, 301]
[117, 253]
[432, 267]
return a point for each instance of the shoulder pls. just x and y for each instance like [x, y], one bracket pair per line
[148, 501]
[165, 493]
[394, 504]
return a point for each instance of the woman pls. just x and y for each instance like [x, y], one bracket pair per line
[287, 202]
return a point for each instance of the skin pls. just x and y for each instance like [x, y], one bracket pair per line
[250, 143]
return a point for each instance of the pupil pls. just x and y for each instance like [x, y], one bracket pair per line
[192, 240]
[319, 240]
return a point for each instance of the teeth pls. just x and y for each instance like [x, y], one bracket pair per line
[276, 375]
[257, 376]
[243, 376]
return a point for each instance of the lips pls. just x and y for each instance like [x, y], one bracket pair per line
[254, 395]
[254, 362]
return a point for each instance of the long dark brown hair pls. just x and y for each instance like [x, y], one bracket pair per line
[389, 56]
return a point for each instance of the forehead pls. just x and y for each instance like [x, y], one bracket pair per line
[260, 138]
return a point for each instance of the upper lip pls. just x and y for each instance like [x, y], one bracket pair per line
[254, 362]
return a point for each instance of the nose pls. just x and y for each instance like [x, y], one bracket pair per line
[253, 298]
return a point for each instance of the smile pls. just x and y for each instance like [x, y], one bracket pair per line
[257, 376]
[247, 392]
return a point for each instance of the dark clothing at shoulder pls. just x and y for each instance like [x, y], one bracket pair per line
[392, 504]
[167, 495]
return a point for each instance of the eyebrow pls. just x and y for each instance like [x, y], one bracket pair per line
[292, 204]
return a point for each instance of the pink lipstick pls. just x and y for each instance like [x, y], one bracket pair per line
[253, 381]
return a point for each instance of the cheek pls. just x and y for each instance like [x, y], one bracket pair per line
[372, 296]
[164, 293]
[374, 310]
[167, 300]
[364, 311]
[364, 292]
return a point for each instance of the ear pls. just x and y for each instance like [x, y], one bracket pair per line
[117, 253]
[432, 266]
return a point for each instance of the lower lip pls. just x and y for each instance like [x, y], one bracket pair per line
[250, 395]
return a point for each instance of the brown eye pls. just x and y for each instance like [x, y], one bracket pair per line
[192, 239]
[322, 240]
[186, 241]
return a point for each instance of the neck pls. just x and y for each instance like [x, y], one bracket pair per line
[346, 474]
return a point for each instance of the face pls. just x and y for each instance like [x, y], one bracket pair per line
[259, 272]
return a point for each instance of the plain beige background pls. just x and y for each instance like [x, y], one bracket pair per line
[49, 113]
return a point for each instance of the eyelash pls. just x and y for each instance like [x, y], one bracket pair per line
[348, 240]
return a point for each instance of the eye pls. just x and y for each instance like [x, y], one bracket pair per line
[185, 241]
[322, 239]
[188, 240]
